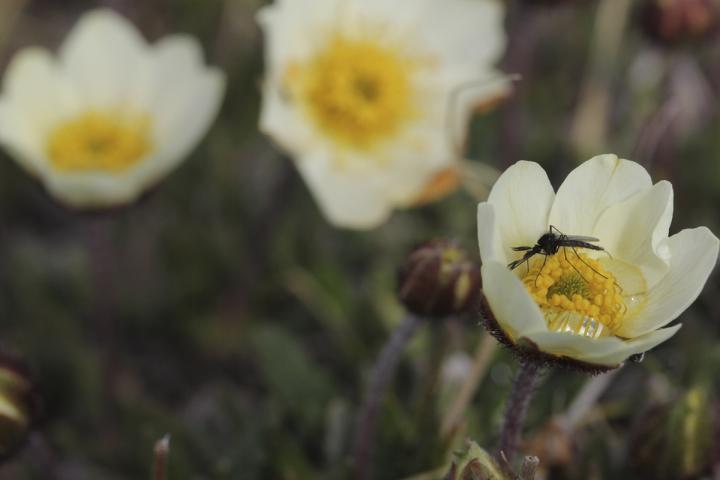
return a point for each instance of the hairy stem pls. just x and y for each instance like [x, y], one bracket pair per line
[384, 368]
[522, 392]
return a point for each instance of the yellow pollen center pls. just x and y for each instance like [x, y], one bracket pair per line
[357, 91]
[576, 294]
[99, 141]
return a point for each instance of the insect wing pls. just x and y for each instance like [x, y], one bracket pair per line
[580, 238]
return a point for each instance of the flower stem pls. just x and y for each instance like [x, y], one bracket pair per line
[522, 392]
[384, 368]
[481, 362]
[160, 457]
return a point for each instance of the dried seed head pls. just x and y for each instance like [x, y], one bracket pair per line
[439, 279]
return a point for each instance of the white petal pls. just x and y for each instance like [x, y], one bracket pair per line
[465, 30]
[693, 255]
[513, 308]
[346, 200]
[608, 351]
[171, 62]
[635, 230]
[591, 188]
[91, 190]
[187, 111]
[101, 54]
[578, 347]
[491, 248]
[35, 97]
[521, 199]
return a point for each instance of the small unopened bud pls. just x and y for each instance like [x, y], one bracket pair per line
[439, 279]
[19, 405]
[474, 464]
[679, 21]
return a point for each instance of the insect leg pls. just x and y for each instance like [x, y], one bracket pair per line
[571, 264]
[540, 271]
[586, 264]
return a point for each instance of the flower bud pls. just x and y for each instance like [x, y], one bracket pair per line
[678, 21]
[18, 405]
[439, 279]
[474, 464]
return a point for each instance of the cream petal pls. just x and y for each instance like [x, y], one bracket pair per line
[35, 97]
[172, 61]
[491, 248]
[634, 230]
[608, 351]
[521, 198]
[91, 190]
[631, 347]
[693, 255]
[575, 346]
[465, 30]
[284, 122]
[346, 200]
[38, 92]
[513, 308]
[294, 29]
[591, 188]
[100, 54]
[186, 113]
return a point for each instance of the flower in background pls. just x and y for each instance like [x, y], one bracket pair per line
[584, 306]
[363, 94]
[110, 115]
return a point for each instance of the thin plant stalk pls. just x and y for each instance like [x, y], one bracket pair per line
[523, 388]
[384, 369]
[481, 361]
[160, 458]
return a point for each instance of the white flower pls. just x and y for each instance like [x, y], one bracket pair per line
[593, 306]
[110, 115]
[363, 93]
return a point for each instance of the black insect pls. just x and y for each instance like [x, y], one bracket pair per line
[550, 243]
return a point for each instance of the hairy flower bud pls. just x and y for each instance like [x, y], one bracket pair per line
[678, 21]
[439, 279]
[19, 405]
[474, 464]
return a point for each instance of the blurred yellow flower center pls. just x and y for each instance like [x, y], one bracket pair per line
[100, 142]
[358, 91]
[576, 294]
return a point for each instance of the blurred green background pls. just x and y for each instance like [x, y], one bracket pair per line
[222, 308]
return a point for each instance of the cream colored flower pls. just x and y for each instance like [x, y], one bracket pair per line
[110, 115]
[593, 306]
[361, 92]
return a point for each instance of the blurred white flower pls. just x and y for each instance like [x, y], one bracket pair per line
[110, 115]
[363, 94]
[592, 306]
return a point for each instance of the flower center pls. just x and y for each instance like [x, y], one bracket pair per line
[577, 294]
[358, 91]
[99, 141]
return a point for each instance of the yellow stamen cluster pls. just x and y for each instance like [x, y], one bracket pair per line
[100, 142]
[576, 294]
[358, 91]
